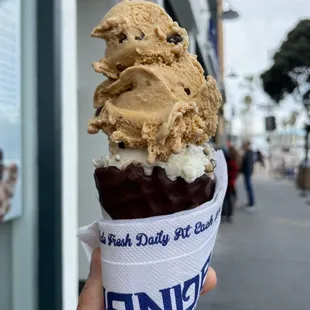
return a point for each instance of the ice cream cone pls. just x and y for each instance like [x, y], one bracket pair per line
[130, 194]
[158, 110]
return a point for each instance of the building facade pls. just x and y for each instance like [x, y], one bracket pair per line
[38, 248]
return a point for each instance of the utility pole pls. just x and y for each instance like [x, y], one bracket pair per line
[269, 108]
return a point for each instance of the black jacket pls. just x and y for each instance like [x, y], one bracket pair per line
[247, 163]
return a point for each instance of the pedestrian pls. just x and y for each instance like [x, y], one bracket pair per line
[231, 157]
[260, 159]
[247, 171]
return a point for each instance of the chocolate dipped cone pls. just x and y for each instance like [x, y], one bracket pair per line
[130, 194]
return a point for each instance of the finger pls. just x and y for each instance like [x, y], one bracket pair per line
[91, 297]
[210, 282]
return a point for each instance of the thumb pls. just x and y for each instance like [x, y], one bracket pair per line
[91, 297]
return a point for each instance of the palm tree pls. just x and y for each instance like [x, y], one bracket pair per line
[285, 123]
[292, 122]
[289, 126]
[246, 111]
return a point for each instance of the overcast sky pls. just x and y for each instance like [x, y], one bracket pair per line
[250, 43]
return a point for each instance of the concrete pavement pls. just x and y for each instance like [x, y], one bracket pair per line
[263, 259]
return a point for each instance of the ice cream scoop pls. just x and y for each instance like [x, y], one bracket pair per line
[138, 32]
[156, 103]
[158, 111]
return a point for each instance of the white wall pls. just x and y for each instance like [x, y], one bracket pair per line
[89, 13]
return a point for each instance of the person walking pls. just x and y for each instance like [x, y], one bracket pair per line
[247, 171]
[231, 157]
[261, 159]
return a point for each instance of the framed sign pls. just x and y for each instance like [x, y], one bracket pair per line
[10, 110]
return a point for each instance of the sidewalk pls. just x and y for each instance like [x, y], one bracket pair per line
[263, 259]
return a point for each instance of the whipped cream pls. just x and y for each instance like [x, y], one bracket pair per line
[191, 163]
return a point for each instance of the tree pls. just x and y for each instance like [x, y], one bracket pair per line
[293, 118]
[285, 123]
[290, 71]
[248, 84]
[289, 127]
[245, 83]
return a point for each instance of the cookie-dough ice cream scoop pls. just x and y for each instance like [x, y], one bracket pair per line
[158, 110]
[160, 99]
[138, 32]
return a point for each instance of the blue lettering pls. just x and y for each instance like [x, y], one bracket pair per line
[142, 239]
[184, 294]
[166, 298]
[102, 238]
[165, 239]
[182, 232]
[151, 241]
[178, 297]
[146, 303]
[217, 214]
[119, 242]
[201, 227]
[125, 298]
[194, 281]
[204, 271]
[104, 298]
[160, 238]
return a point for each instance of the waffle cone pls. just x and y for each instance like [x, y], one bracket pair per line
[130, 194]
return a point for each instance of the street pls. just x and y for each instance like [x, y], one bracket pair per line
[262, 260]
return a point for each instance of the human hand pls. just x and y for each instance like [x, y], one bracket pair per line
[91, 297]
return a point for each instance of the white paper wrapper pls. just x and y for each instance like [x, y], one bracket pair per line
[160, 262]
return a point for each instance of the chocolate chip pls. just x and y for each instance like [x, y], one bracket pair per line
[130, 88]
[174, 38]
[122, 38]
[121, 145]
[140, 37]
[98, 111]
[120, 67]
[187, 90]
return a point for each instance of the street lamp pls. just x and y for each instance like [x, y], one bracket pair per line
[228, 13]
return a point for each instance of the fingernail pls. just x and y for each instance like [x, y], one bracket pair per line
[94, 263]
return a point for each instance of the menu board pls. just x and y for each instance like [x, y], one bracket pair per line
[10, 110]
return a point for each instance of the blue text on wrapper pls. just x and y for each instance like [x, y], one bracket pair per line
[175, 297]
[143, 239]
